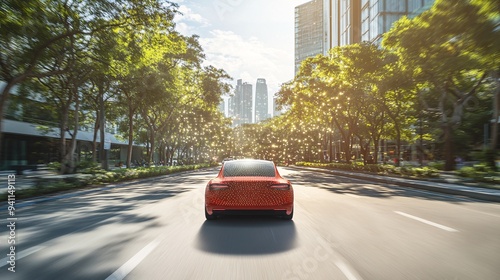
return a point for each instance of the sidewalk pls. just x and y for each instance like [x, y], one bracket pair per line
[449, 184]
[30, 177]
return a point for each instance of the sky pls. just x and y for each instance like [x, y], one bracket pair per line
[249, 39]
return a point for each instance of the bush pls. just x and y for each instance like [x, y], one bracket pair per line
[482, 168]
[466, 171]
[93, 170]
[487, 157]
[96, 176]
[85, 164]
[54, 165]
[377, 168]
[479, 172]
[439, 165]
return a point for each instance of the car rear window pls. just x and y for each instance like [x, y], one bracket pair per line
[249, 168]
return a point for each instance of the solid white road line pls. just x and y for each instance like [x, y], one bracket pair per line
[427, 222]
[22, 254]
[345, 269]
[127, 267]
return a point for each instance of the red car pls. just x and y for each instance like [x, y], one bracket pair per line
[249, 187]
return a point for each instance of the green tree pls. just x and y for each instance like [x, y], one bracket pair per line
[445, 48]
[140, 49]
[37, 36]
[345, 94]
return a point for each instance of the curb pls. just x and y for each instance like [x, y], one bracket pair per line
[447, 188]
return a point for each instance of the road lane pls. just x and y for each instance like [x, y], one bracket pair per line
[384, 245]
[342, 229]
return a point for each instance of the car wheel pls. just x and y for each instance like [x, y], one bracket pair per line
[208, 216]
[288, 217]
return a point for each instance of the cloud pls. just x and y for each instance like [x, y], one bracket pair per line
[247, 58]
[187, 15]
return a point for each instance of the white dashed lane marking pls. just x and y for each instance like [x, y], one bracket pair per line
[127, 267]
[426, 222]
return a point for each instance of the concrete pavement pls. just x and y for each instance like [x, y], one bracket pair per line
[343, 228]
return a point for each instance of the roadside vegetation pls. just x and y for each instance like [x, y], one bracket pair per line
[385, 169]
[482, 174]
[94, 176]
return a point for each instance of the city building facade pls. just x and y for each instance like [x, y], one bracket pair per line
[31, 137]
[378, 16]
[309, 31]
[261, 100]
[324, 24]
[241, 103]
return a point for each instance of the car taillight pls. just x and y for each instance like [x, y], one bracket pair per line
[218, 186]
[281, 187]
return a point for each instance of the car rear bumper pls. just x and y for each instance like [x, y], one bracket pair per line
[249, 210]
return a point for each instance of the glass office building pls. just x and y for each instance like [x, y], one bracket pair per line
[261, 100]
[309, 31]
[323, 24]
[378, 16]
[241, 103]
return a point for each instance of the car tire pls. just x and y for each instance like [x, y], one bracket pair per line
[287, 217]
[208, 216]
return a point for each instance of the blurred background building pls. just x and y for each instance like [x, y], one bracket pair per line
[31, 136]
[246, 106]
[323, 24]
[261, 101]
[309, 30]
[241, 103]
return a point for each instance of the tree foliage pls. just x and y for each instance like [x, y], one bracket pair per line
[121, 61]
[430, 83]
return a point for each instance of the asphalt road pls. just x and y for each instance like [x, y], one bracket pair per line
[342, 229]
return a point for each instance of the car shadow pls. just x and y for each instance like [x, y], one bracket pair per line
[247, 235]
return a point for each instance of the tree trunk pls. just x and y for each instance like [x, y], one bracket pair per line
[347, 149]
[398, 148]
[448, 148]
[152, 147]
[496, 113]
[69, 160]
[94, 139]
[63, 126]
[130, 134]
[375, 152]
[102, 126]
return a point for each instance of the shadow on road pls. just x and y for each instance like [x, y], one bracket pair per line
[247, 235]
[75, 215]
[75, 264]
[344, 185]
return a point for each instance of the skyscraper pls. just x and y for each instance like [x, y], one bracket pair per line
[309, 30]
[261, 100]
[240, 105]
[323, 24]
[378, 16]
